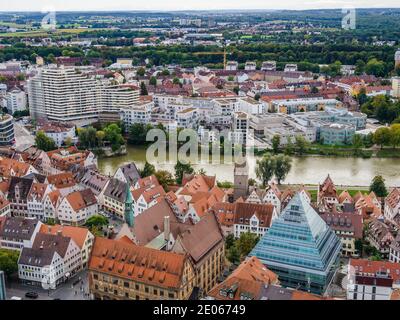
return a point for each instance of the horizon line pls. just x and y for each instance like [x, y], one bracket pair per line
[196, 10]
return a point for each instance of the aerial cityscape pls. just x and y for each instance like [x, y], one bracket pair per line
[209, 155]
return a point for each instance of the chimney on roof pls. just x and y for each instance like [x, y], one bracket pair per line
[49, 229]
[59, 232]
[167, 228]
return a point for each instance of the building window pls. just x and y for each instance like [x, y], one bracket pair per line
[126, 284]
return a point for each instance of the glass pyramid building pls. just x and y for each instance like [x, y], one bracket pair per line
[300, 248]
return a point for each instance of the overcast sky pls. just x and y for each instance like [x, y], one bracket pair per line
[82, 5]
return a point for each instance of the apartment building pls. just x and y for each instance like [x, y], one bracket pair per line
[82, 237]
[372, 280]
[65, 94]
[16, 100]
[136, 113]
[77, 207]
[52, 259]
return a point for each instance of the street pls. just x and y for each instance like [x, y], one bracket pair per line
[66, 291]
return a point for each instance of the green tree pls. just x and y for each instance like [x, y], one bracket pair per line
[143, 89]
[289, 148]
[375, 67]
[147, 170]
[165, 179]
[378, 186]
[9, 261]
[153, 81]
[265, 168]
[141, 71]
[137, 133]
[96, 221]
[113, 134]
[301, 144]
[246, 243]
[100, 135]
[252, 182]
[276, 141]
[233, 254]
[181, 169]
[229, 241]
[51, 221]
[357, 143]
[382, 136]
[44, 142]
[87, 137]
[395, 135]
[176, 80]
[225, 184]
[283, 164]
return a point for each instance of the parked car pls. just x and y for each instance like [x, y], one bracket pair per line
[15, 298]
[32, 295]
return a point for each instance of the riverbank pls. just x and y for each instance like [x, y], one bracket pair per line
[307, 169]
[341, 151]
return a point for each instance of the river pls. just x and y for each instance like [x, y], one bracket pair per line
[307, 170]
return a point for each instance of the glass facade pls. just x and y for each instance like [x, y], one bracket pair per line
[300, 248]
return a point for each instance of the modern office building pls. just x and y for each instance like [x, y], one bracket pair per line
[336, 134]
[6, 130]
[300, 248]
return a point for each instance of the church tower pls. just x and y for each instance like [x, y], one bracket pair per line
[241, 180]
[129, 214]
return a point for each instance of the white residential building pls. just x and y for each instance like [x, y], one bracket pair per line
[392, 205]
[16, 100]
[372, 280]
[35, 200]
[77, 207]
[59, 132]
[51, 260]
[137, 113]
[253, 218]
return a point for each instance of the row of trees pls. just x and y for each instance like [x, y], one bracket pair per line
[92, 138]
[299, 146]
[388, 136]
[367, 58]
[273, 165]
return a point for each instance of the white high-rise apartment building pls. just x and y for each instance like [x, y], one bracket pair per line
[63, 94]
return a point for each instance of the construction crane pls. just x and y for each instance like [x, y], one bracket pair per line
[224, 53]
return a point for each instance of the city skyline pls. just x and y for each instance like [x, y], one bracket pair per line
[180, 5]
